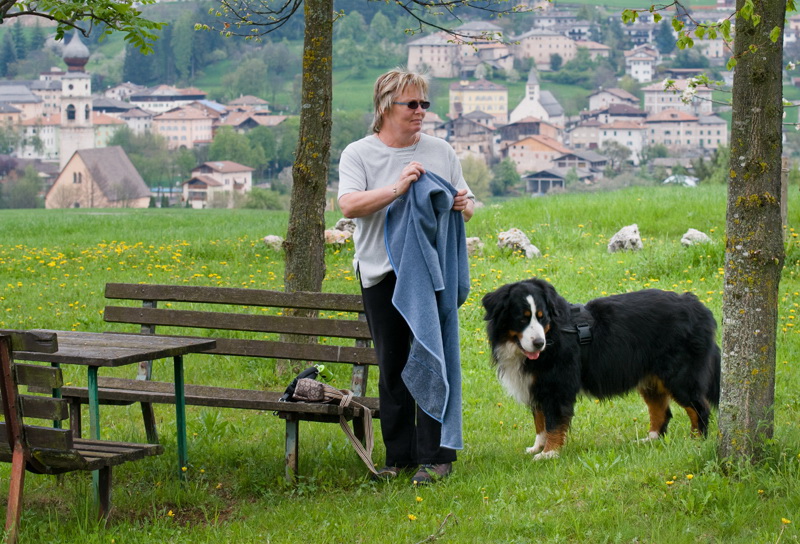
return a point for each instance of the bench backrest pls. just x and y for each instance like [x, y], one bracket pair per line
[15, 431]
[343, 319]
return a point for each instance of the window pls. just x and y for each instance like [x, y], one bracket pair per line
[70, 112]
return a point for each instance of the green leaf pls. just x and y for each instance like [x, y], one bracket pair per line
[775, 34]
[657, 17]
[732, 62]
[677, 24]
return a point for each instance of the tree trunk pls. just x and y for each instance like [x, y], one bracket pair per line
[304, 248]
[305, 245]
[754, 251]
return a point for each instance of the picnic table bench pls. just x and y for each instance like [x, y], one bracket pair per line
[246, 323]
[30, 446]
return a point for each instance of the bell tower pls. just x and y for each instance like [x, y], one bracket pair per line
[77, 130]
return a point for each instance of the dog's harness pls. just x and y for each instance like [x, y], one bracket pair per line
[582, 322]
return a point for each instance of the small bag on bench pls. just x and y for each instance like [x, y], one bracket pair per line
[310, 390]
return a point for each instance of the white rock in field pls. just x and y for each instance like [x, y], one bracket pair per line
[626, 239]
[516, 240]
[337, 237]
[474, 246]
[694, 236]
[345, 224]
[274, 242]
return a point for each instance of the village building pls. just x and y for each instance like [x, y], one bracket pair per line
[470, 136]
[528, 126]
[596, 50]
[603, 98]
[641, 62]
[163, 98]
[538, 103]
[123, 91]
[482, 95]
[543, 181]
[98, 178]
[534, 153]
[248, 103]
[541, 44]
[679, 130]
[217, 184]
[138, 120]
[658, 99]
[184, 127]
[443, 55]
[632, 135]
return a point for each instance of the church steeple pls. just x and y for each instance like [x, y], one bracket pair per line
[75, 54]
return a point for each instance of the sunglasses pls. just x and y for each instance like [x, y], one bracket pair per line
[414, 104]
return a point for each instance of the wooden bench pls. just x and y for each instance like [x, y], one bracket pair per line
[342, 335]
[44, 449]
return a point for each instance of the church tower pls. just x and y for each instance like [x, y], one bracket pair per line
[76, 131]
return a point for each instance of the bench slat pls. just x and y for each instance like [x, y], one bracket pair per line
[238, 322]
[233, 295]
[121, 389]
[44, 407]
[42, 437]
[41, 376]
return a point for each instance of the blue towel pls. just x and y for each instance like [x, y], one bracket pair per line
[426, 243]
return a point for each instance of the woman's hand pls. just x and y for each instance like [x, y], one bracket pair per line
[409, 175]
[462, 203]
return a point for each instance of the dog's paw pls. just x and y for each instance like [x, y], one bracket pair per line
[538, 444]
[552, 454]
[652, 435]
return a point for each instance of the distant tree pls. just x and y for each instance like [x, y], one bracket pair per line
[689, 58]
[23, 191]
[20, 41]
[556, 61]
[148, 152]
[250, 77]
[10, 138]
[571, 179]
[505, 177]
[351, 26]
[664, 38]
[617, 154]
[183, 39]
[8, 55]
[83, 15]
[655, 151]
[229, 145]
[478, 176]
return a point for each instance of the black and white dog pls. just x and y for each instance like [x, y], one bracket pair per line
[547, 351]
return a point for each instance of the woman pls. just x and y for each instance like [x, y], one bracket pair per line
[373, 172]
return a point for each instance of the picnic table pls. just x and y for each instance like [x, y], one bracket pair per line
[109, 350]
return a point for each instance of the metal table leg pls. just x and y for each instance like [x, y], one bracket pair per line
[180, 417]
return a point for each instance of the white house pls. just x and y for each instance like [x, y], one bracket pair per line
[217, 183]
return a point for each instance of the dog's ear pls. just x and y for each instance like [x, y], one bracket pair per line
[495, 302]
[551, 297]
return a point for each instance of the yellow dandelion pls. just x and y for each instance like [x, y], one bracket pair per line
[670, 482]
[171, 514]
[419, 499]
[785, 521]
[184, 469]
[689, 476]
[412, 517]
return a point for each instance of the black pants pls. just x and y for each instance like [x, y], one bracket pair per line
[410, 435]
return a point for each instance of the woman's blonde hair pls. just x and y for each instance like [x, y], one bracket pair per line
[391, 85]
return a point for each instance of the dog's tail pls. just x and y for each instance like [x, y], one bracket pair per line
[716, 376]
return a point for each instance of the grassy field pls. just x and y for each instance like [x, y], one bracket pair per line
[606, 487]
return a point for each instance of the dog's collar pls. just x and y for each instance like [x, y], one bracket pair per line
[581, 323]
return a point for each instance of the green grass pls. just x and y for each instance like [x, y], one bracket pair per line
[606, 487]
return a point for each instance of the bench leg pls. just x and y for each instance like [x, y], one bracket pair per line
[15, 489]
[75, 417]
[149, 417]
[104, 495]
[292, 448]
